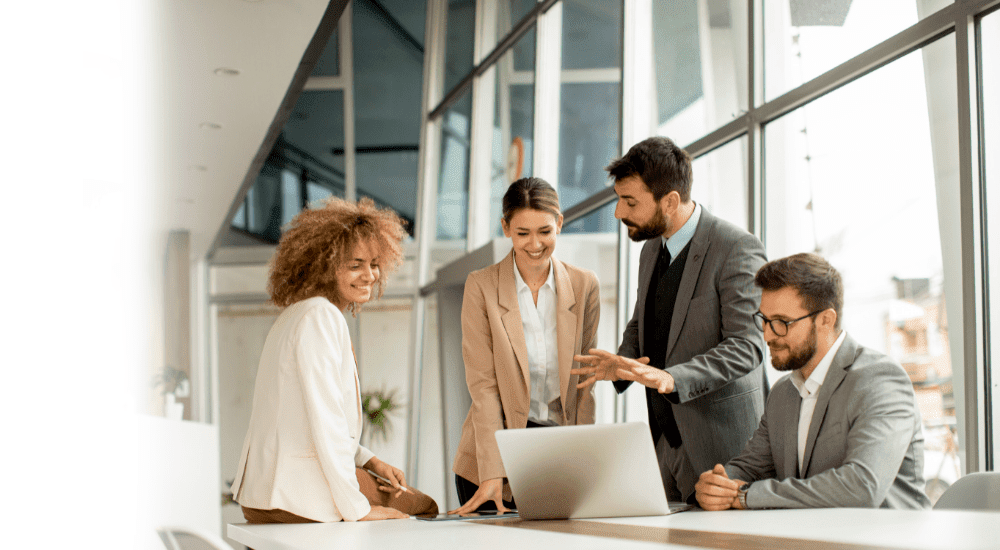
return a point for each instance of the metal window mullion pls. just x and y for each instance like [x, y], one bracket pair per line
[972, 270]
[347, 73]
[425, 220]
[636, 74]
[754, 128]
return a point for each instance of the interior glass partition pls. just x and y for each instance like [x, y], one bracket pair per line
[805, 39]
[867, 176]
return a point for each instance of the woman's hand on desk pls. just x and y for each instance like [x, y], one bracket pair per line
[383, 512]
[491, 489]
[391, 474]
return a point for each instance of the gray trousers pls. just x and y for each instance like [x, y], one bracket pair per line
[678, 474]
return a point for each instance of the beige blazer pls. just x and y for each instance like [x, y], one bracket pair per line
[303, 441]
[496, 359]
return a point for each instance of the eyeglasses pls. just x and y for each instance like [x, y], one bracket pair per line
[778, 326]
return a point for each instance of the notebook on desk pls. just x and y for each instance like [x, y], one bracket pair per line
[590, 471]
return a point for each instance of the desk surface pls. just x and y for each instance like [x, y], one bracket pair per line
[838, 529]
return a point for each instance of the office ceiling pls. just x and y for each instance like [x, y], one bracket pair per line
[211, 121]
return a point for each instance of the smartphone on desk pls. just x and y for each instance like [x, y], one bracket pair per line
[492, 514]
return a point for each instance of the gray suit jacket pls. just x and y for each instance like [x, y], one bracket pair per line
[714, 351]
[865, 446]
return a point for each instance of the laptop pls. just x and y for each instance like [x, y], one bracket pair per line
[589, 471]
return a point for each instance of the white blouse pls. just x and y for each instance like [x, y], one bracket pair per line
[539, 324]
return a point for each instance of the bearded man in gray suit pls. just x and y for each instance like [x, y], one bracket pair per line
[843, 429]
[691, 340]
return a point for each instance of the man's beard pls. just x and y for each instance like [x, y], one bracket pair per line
[656, 226]
[797, 358]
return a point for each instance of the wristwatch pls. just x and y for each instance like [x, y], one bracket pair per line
[741, 494]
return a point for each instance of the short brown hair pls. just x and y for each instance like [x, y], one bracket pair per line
[661, 164]
[318, 241]
[533, 193]
[819, 284]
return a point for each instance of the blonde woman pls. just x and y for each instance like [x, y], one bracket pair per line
[523, 319]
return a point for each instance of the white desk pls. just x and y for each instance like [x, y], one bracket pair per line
[840, 529]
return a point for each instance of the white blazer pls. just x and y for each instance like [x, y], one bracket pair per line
[303, 442]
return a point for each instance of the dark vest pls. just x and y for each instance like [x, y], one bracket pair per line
[660, 299]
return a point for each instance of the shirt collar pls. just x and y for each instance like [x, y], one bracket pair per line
[810, 386]
[550, 281]
[679, 240]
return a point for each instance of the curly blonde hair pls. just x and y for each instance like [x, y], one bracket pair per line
[318, 241]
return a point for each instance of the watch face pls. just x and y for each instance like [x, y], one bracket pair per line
[744, 487]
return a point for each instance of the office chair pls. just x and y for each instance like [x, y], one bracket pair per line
[184, 538]
[976, 491]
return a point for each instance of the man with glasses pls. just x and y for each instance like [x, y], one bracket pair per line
[691, 340]
[842, 429]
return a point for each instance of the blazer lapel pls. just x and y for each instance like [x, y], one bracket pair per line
[566, 335]
[647, 263]
[843, 359]
[507, 299]
[692, 268]
[790, 420]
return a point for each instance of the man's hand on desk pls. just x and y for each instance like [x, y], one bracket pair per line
[715, 491]
[383, 512]
[604, 365]
[490, 489]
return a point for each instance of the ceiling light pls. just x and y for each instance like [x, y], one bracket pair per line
[210, 126]
[226, 71]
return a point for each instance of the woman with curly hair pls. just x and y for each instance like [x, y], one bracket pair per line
[301, 460]
[523, 319]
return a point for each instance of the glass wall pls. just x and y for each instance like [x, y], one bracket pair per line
[875, 217]
[805, 39]
[699, 59]
[862, 169]
[721, 183]
[308, 161]
[590, 99]
[388, 82]
[453, 181]
[460, 37]
[585, 243]
[513, 122]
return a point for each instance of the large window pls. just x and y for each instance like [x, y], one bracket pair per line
[699, 61]
[513, 123]
[586, 243]
[805, 39]
[388, 80]
[590, 98]
[453, 181]
[856, 176]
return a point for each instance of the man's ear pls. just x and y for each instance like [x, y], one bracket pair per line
[670, 202]
[828, 319]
